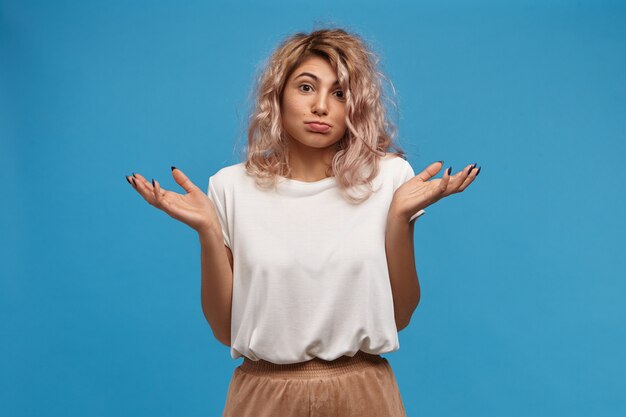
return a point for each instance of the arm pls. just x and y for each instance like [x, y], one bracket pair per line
[415, 193]
[217, 282]
[399, 247]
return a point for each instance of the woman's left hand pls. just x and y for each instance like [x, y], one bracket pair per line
[418, 192]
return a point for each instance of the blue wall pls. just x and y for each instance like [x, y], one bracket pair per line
[522, 310]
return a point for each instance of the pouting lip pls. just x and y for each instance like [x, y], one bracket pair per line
[319, 123]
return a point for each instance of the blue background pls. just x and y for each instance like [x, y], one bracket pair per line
[522, 275]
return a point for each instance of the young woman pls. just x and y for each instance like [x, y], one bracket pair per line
[307, 252]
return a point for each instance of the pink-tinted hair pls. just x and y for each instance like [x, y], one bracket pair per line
[369, 134]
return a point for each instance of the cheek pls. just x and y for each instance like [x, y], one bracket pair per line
[290, 104]
[284, 104]
[341, 116]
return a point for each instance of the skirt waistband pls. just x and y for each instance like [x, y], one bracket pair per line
[315, 367]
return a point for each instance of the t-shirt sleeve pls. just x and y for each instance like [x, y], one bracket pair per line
[215, 193]
[407, 174]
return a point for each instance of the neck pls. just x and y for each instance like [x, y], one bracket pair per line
[310, 165]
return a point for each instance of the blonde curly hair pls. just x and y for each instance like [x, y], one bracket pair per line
[369, 134]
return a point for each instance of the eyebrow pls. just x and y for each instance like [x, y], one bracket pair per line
[314, 77]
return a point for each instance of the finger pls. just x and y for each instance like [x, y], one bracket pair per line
[182, 180]
[445, 180]
[139, 179]
[430, 171]
[142, 188]
[457, 180]
[473, 172]
[156, 193]
[133, 182]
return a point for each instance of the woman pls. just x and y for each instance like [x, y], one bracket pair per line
[307, 254]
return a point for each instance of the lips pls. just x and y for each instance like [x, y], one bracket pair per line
[318, 127]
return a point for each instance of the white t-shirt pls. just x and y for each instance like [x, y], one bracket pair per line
[310, 275]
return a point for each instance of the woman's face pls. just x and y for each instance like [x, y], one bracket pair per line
[312, 94]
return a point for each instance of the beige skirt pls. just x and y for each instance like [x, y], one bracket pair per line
[363, 385]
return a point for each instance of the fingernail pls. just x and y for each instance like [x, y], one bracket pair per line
[449, 170]
[134, 183]
[474, 166]
[153, 182]
[134, 175]
[441, 162]
[173, 168]
[478, 172]
[126, 176]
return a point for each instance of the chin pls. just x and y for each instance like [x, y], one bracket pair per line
[314, 140]
[320, 144]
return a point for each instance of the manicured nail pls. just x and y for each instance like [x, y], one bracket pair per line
[134, 175]
[173, 168]
[441, 162]
[126, 176]
[449, 170]
[134, 183]
[474, 166]
[478, 172]
[153, 182]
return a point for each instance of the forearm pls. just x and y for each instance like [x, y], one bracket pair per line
[400, 252]
[217, 283]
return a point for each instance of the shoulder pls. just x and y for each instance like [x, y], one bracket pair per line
[397, 169]
[228, 175]
[395, 163]
[394, 158]
[229, 170]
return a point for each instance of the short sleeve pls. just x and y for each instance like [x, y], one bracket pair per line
[217, 198]
[407, 174]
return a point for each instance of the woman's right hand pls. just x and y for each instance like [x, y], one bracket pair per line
[194, 208]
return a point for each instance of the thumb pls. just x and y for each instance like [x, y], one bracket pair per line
[182, 180]
[430, 171]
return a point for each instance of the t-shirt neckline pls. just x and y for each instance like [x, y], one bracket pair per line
[305, 183]
[298, 188]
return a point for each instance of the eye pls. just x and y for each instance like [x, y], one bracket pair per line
[304, 85]
[341, 94]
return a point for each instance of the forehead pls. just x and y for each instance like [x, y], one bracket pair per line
[316, 65]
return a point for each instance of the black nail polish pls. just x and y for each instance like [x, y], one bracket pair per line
[126, 176]
[478, 172]
[134, 175]
[474, 166]
[449, 170]
[173, 168]
[153, 182]
[134, 183]
[441, 162]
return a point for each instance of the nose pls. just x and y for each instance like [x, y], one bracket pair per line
[320, 106]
